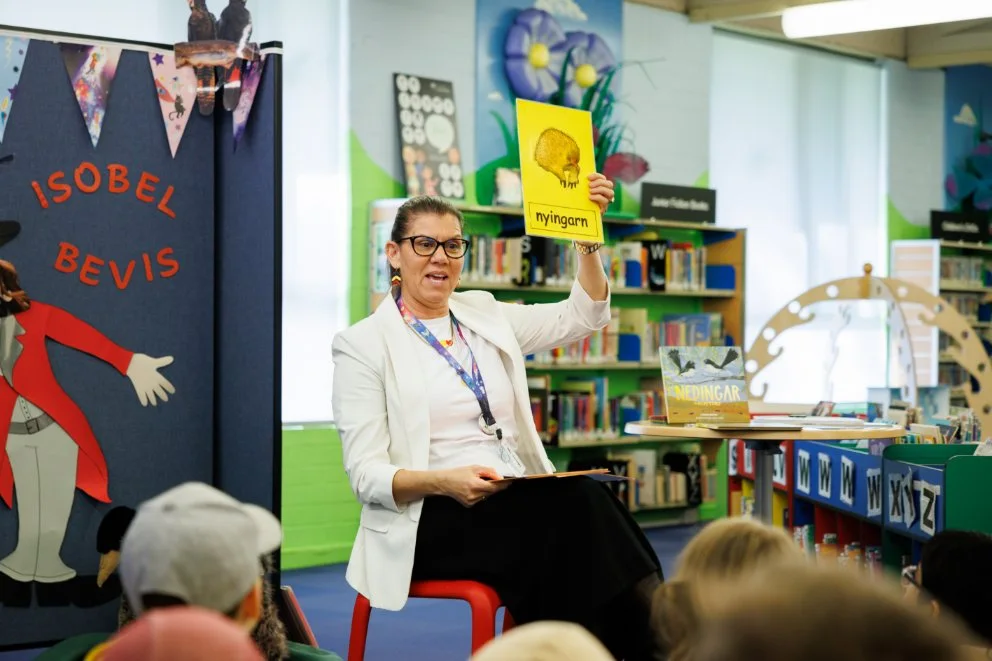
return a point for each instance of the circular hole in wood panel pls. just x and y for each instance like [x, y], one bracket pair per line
[768, 333]
[751, 366]
[794, 307]
[832, 291]
[901, 292]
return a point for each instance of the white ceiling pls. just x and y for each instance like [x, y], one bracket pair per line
[949, 44]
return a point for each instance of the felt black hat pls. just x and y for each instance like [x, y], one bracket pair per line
[9, 229]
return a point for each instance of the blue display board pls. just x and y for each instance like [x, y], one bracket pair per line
[913, 502]
[840, 478]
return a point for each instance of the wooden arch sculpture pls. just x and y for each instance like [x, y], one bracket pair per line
[968, 352]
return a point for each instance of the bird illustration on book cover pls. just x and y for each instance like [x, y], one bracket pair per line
[704, 381]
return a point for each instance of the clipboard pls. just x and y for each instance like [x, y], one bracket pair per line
[598, 474]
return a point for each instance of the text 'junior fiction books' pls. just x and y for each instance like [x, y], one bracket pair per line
[704, 384]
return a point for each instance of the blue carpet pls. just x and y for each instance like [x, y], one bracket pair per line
[426, 630]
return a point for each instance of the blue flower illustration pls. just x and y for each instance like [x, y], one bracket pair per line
[533, 56]
[970, 185]
[591, 59]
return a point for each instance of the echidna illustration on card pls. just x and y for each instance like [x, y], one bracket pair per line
[558, 153]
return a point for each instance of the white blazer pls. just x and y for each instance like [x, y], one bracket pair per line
[382, 413]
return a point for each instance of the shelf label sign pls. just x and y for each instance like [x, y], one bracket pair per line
[749, 461]
[928, 508]
[778, 469]
[874, 484]
[732, 456]
[823, 482]
[908, 502]
[802, 471]
[847, 481]
[895, 497]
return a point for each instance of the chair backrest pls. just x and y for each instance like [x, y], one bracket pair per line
[297, 628]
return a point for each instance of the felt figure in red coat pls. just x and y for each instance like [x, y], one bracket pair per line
[47, 447]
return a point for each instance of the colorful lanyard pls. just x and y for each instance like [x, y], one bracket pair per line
[474, 382]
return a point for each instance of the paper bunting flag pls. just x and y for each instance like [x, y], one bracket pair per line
[249, 85]
[13, 50]
[176, 89]
[91, 70]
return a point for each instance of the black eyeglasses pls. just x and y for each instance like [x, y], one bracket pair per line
[426, 246]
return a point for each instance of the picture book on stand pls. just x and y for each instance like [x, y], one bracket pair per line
[704, 385]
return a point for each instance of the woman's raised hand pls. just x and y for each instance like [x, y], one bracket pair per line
[470, 484]
[601, 190]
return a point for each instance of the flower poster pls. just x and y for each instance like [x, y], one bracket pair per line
[556, 158]
[968, 139]
[561, 52]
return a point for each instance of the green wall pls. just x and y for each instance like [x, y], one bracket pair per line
[320, 513]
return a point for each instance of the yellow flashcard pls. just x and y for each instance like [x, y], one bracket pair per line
[556, 159]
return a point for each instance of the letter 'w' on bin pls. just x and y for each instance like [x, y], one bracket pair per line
[556, 159]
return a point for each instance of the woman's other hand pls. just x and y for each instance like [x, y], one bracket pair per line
[601, 191]
[470, 484]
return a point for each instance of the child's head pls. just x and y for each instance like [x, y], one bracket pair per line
[955, 574]
[728, 547]
[817, 614]
[724, 550]
[544, 641]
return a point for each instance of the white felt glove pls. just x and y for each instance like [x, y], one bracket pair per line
[147, 382]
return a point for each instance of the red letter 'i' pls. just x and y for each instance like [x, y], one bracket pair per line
[41, 196]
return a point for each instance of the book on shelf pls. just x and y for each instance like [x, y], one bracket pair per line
[580, 410]
[962, 271]
[660, 478]
[653, 266]
[631, 337]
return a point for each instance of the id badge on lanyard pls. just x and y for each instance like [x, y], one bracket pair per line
[474, 382]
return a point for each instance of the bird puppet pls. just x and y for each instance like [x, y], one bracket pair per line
[202, 26]
[234, 25]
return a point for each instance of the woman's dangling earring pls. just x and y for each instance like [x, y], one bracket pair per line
[395, 280]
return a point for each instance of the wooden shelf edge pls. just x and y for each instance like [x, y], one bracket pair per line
[617, 291]
[965, 245]
[621, 365]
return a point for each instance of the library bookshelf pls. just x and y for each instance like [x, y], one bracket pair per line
[890, 496]
[958, 272]
[583, 395]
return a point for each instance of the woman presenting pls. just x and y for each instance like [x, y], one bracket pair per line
[431, 402]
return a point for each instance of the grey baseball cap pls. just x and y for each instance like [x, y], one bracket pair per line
[198, 544]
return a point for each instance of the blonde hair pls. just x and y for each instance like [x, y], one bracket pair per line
[821, 614]
[727, 547]
[544, 641]
[723, 551]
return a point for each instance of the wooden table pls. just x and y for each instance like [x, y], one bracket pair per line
[765, 444]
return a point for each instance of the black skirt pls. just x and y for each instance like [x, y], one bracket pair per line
[553, 549]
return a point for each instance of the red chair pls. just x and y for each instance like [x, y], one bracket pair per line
[291, 613]
[482, 599]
